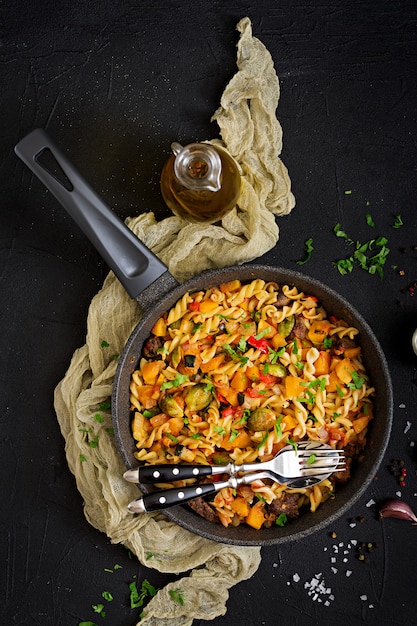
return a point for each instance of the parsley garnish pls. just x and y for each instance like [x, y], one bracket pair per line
[277, 426]
[369, 220]
[357, 381]
[236, 357]
[99, 608]
[233, 434]
[327, 342]
[308, 249]
[371, 263]
[281, 519]
[179, 380]
[264, 440]
[107, 596]
[293, 444]
[311, 459]
[397, 222]
[177, 595]
[138, 598]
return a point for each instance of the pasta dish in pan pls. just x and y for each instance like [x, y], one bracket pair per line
[235, 373]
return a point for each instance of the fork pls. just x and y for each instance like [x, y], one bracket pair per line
[305, 458]
[304, 476]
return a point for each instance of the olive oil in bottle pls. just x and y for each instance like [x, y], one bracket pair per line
[200, 182]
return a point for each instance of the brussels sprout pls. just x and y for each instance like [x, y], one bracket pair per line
[261, 419]
[286, 326]
[221, 458]
[277, 369]
[170, 406]
[198, 397]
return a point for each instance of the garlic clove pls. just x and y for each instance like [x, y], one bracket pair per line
[398, 509]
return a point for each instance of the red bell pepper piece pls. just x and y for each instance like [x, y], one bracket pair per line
[259, 344]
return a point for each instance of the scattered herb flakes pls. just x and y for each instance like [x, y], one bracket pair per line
[106, 595]
[137, 598]
[87, 624]
[105, 344]
[370, 256]
[281, 519]
[369, 220]
[308, 249]
[179, 380]
[311, 459]
[177, 596]
[115, 567]
[93, 443]
[99, 608]
[397, 221]
[83, 458]
[98, 417]
[105, 406]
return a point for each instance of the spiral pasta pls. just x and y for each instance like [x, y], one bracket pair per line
[238, 371]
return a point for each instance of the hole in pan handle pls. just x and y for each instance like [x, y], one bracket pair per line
[133, 263]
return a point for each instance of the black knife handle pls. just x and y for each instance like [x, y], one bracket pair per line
[169, 473]
[169, 497]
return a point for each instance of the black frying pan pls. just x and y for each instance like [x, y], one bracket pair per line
[147, 279]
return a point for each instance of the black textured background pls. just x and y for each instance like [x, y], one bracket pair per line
[115, 83]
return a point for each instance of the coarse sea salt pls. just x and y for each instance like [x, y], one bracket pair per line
[407, 427]
[370, 503]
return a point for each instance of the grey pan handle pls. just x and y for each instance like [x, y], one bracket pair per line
[133, 263]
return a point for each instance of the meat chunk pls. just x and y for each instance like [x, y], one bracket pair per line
[340, 344]
[200, 506]
[282, 299]
[151, 347]
[287, 504]
[300, 329]
[344, 475]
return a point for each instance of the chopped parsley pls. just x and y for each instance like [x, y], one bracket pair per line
[397, 221]
[277, 426]
[281, 519]
[177, 596]
[179, 380]
[311, 459]
[293, 444]
[308, 249]
[369, 220]
[264, 440]
[235, 356]
[357, 381]
[370, 256]
[137, 598]
[107, 596]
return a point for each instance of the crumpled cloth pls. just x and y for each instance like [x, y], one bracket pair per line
[252, 134]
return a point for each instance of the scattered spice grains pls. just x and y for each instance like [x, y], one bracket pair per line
[399, 470]
[340, 554]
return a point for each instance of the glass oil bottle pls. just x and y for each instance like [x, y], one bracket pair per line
[200, 182]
